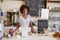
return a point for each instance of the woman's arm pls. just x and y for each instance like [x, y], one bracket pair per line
[31, 26]
[17, 27]
[32, 30]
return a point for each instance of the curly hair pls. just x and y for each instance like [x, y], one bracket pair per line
[24, 7]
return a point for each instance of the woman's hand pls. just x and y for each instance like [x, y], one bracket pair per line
[33, 31]
[13, 31]
[0, 30]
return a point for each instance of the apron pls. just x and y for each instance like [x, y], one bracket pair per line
[24, 26]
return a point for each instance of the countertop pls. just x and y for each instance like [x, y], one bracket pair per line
[30, 37]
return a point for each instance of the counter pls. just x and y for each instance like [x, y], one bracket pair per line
[30, 37]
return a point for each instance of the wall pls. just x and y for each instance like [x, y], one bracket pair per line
[6, 5]
[11, 0]
[10, 5]
[54, 0]
[53, 4]
[54, 14]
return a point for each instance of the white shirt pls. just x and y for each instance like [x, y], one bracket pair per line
[1, 29]
[24, 23]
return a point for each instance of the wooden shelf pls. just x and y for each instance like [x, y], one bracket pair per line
[53, 1]
[56, 9]
[53, 20]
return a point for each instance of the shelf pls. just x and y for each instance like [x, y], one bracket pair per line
[55, 9]
[54, 18]
[53, 1]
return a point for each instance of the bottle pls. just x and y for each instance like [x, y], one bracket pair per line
[10, 32]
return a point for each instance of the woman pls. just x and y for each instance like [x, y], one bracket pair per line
[24, 19]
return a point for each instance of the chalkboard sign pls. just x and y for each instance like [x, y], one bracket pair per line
[35, 5]
[32, 4]
[41, 25]
[33, 13]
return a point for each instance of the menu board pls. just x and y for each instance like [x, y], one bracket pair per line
[41, 25]
[34, 6]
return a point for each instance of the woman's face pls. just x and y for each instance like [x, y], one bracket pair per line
[25, 11]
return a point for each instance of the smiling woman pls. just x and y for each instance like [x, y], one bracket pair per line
[24, 21]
